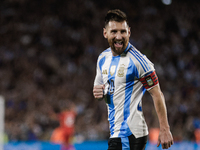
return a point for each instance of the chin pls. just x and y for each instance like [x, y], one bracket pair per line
[118, 52]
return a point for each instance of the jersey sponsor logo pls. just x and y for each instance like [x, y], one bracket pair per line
[112, 70]
[105, 72]
[149, 81]
[121, 70]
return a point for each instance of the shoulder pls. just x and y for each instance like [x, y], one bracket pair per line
[139, 59]
[105, 53]
[134, 53]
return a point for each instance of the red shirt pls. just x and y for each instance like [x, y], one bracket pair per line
[67, 120]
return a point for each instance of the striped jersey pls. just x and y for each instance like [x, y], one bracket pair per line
[123, 90]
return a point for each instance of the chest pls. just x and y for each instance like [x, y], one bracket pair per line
[119, 70]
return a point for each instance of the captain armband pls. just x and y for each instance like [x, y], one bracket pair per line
[150, 80]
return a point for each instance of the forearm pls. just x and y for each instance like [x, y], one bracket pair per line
[160, 107]
[165, 137]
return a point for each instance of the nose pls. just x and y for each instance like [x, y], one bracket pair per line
[118, 35]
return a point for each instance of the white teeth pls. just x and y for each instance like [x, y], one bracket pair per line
[119, 42]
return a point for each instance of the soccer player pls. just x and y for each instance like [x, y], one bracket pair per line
[123, 75]
[65, 132]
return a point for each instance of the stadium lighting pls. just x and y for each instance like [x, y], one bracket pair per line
[167, 2]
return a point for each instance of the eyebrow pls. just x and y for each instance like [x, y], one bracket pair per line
[122, 30]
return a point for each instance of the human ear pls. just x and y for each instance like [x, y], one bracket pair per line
[105, 33]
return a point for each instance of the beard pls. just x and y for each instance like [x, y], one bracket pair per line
[118, 46]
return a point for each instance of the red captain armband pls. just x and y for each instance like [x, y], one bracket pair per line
[150, 80]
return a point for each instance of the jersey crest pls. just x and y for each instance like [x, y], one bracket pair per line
[121, 70]
[149, 81]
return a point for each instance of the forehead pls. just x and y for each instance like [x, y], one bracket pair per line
[117, 25]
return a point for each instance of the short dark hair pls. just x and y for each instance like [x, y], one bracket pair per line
[115, 15]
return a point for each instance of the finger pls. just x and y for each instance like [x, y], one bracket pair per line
[158, 143]
[98, 95]
[164, 146]
[102, 86]
[168, 145]
[172, 142]
[97, 90]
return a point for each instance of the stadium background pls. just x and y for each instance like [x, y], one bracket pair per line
[48, 53]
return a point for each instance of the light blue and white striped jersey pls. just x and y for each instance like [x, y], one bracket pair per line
[123, 90]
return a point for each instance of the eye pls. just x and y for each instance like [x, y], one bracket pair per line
[113, 31]
[123, 31]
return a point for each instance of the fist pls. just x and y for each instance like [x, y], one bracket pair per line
[98, 91]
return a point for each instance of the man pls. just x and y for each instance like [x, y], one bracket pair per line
[64, 133]
[123, 75]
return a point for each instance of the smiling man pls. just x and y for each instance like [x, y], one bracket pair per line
[118, 34]
[123, 75]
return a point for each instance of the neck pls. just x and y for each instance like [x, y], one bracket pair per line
[115, 54]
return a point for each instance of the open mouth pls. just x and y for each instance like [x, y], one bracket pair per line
[118, 43]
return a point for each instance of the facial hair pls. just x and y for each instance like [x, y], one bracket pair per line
[117, 50]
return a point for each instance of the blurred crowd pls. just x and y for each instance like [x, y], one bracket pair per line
[48, 54]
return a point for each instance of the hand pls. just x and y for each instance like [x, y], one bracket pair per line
[98, 91]
[165, 139]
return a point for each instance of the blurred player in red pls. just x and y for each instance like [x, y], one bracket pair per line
[64, 133]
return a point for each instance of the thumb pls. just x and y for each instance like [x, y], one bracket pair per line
[158, 143]
[103, 86]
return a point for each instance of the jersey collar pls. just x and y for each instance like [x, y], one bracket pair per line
[127, 48]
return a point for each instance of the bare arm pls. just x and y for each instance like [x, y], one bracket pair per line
[165, 137]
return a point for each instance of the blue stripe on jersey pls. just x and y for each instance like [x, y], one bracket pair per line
[139, 107]
[101, 62]
[130, 75]
[138, 60]
[141, 60]
[111, 116]
[125, 143]
[139, 55]
[143, 90]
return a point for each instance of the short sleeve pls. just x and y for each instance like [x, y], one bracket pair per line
[145, 68]
[147, 74]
